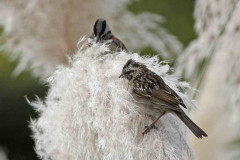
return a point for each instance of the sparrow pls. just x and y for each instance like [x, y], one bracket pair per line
[103, 34]
[150, 89]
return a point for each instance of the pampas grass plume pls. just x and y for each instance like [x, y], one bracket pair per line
[88, 113]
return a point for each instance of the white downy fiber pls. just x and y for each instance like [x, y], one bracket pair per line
[218, 27]
[89, 113]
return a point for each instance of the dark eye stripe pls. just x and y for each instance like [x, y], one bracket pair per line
[103, 28]
[95, 27]
[128, 62]
[128, 72]
[135, 65]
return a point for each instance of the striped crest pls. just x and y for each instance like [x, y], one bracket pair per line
[101, 27]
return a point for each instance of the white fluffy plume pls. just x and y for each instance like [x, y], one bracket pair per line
[218, 27]
[42, 32]
[89, 113]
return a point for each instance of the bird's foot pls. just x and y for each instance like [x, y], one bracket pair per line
[148, 128]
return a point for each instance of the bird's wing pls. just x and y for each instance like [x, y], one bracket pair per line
[119, 44]
[169, 96]
[155, 97]
[142, 92]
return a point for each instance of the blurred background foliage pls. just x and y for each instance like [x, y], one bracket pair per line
[178, 16]
[15, 112]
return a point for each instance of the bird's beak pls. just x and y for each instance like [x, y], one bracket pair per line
[120, 76]
[97, 39]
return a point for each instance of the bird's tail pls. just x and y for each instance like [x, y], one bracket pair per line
[197, 131]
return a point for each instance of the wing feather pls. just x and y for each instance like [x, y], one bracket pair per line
[168, 94]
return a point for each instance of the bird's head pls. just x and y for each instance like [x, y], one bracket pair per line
[101, 31]
[131, 69]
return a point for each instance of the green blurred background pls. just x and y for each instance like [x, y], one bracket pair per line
[15, 112]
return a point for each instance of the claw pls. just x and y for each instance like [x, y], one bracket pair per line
[148, 128]
[151, 126]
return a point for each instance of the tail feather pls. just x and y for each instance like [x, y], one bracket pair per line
[197, 131]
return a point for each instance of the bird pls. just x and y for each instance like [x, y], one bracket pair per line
[103, 35]
[151, 90]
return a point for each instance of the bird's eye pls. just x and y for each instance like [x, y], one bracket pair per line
[104, 37]
[128, 72]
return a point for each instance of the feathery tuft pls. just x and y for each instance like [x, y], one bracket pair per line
[89, 113]
[217, 52]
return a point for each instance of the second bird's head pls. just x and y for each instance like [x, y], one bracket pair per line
[101, 31]
[131, 69]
